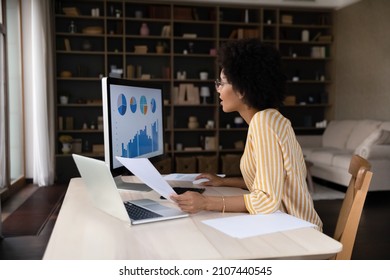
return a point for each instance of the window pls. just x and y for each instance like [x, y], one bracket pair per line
[11, 96]
[3, 139]
[15, 91]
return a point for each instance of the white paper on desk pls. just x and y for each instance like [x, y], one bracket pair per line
[147, 173]
[181, 176]
[244, 226]
[184, 176]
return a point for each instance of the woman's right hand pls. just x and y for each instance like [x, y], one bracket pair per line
[213, 180]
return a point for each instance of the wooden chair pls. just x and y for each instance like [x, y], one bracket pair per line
[352, 207]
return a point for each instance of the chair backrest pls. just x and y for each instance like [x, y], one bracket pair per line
[352, 207]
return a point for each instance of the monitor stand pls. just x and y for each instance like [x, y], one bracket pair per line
[133, 186]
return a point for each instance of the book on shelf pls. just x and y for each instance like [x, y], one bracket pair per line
[318, 52]
[233, 34]
[189, 35]
[315, 38]
[290, 100]
[192, 149]
[186, 94]
[98, 148]
[69, 123]
[322, 38]
[210, 143]
[195, 15]
[183, 13]
[77, 145]
[60, 123]
[287, 19]
[325, 38]
[67, 45]
[159, 12]
[241, 33]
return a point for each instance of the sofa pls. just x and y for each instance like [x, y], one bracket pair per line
[331, 155]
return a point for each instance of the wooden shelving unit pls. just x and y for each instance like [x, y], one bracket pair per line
[196, 31]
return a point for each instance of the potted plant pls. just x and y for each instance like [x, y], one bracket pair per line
[66, 141]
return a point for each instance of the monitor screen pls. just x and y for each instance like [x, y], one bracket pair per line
[133, 121]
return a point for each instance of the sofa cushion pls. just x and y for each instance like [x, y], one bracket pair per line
[323, 156]
[308, 151]
[337, 133]
[342, 161]
[360, 132]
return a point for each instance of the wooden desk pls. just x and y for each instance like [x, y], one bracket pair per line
[84, 232]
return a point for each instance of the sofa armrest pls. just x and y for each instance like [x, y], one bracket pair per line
[374, 152]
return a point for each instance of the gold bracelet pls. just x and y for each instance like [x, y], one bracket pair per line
[224, 206]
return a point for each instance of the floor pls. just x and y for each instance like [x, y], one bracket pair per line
[372, 240]
[24, 247]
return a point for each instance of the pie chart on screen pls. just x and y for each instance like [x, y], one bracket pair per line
[122, 104]
[153, 105]
[133, 104]
[143, 105]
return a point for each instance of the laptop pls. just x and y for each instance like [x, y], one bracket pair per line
[102, 189]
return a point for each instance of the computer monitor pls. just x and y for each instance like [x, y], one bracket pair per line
[132, 121]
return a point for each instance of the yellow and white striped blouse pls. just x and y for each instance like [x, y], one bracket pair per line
[274, 169]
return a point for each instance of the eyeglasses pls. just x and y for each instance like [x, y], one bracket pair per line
[219, 83]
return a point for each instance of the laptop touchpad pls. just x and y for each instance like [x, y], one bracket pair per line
[156, 207]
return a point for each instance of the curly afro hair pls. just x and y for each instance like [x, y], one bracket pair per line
[255, 70]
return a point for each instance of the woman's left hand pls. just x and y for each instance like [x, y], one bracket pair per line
[190, 202]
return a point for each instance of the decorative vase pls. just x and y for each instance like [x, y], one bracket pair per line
[305, 35]
[203, 75]
[238, 121]
[144, 30]
[193, 122]
[66, 148]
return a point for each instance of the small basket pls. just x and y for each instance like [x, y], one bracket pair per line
[93, 30]
[140, 49]
[71, 11]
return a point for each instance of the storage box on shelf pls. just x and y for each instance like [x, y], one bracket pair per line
[176, 45]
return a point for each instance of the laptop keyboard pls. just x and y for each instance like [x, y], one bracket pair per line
[138, 213]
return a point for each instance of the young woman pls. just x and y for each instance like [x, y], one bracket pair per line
[252, 83]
